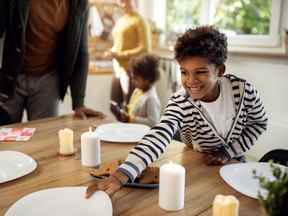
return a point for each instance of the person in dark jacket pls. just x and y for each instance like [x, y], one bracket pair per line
[43, 52]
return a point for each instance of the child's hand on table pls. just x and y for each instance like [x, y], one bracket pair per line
[216, 158]
[110, 185]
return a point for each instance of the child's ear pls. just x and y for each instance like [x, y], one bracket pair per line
[221, 70]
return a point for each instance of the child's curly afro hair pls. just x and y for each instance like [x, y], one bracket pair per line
[205, 41]
[145, 66]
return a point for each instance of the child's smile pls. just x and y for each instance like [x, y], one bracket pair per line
[199, 78]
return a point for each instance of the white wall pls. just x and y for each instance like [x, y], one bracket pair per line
[270, 77]
[153, 10]
[285, 15]
[97, 94]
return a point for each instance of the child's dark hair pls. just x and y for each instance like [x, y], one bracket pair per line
[205, 41]
[145, 66]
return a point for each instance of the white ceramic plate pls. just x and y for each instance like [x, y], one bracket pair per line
[62, 201]
[122, 132]
[14, 164]
[240, 177]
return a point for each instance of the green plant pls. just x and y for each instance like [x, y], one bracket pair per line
[250, 17]
[276, 201]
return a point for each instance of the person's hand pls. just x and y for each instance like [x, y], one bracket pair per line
[216, 158]
[124, 117]
[110, 54]
[110, 185]
[84, 112]
[115, 109]
[119, 113]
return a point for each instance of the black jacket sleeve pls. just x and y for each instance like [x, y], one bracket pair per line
[79, 77]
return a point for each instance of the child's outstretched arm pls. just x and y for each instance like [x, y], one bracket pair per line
[154, 143]
[147, 151]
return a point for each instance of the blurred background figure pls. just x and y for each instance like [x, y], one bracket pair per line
[131, 37]
[144, 105]
[95, 24]
[44, 53]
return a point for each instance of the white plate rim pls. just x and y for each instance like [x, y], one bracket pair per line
[251, 166]
[119, 124]
[28, 171]
[32, 195]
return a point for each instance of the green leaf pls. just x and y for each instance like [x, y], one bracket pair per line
[276, 201]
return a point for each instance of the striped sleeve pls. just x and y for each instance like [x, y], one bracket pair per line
[154, 143]
[255, 123]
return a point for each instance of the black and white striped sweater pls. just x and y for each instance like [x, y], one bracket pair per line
[186, 115]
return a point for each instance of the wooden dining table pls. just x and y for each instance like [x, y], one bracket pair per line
[203, 182]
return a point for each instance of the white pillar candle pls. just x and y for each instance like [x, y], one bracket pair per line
[66, 144]
[90, 149]
[171, 187]
[225, 206]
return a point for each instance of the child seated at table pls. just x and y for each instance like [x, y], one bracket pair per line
[144, 105]
[219, 115]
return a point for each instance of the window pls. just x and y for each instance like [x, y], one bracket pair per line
[246, 22]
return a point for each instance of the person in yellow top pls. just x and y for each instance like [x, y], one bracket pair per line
[131, 37]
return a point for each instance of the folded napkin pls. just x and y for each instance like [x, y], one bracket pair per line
[16, 134]
[150, 175]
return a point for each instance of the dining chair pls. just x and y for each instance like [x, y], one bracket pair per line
[277, 155]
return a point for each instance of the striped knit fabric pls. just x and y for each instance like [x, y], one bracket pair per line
[185, 115]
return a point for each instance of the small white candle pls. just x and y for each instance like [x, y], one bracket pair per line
[225, 206]
[172, 187]
[90, 149]
[66, 144]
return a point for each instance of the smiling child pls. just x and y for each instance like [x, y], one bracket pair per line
[219, 115]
